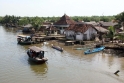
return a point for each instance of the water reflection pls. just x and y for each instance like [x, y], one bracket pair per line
[38, 69]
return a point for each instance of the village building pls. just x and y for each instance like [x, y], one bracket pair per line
[81, 32]
[64, 22]
[107, 24]
[52, 30]
[46, 24]
[48, 29]
[75, 30]
[100, 30]
[93, 23]
[27, 28]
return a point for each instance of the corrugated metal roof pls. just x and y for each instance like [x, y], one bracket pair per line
[101, 29]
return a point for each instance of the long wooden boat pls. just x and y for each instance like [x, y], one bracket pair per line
[94, 50]
[57, 48]
[36, 54]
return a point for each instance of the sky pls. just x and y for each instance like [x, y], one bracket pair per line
[45, 8]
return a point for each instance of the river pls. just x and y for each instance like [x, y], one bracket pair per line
[69, 66]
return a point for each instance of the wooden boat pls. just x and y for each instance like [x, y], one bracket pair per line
[79, 48]
[57, 48]
[94, 50]
[24, 40]
[36, 54]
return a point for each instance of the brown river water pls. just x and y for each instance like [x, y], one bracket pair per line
[69, 66]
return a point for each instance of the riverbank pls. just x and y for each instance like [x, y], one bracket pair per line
[62, 67]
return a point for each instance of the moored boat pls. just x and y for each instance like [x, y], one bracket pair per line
[36, 54]
[24, 40]
[57, 48]
[94, 50]
[79, 48]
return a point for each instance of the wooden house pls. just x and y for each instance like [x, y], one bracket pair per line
[51, 30]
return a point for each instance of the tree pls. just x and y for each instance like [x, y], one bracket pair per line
[36, 22]
[120, 19]
[23, 21]
[111, 33]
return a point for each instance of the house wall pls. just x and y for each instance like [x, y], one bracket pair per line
[81, 36]
[87, 35]
[69, 34]
[90, 33]
[62, 31]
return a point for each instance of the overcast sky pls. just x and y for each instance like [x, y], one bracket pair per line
[44, 8]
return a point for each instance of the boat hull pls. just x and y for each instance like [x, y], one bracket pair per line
[57, 48]
[94, 50]
[79, 48]
[38, 60]
[25, 43]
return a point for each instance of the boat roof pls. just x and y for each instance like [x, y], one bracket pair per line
[22, 35]
[35, 48]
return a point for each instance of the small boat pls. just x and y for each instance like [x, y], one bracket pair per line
[57, 48]
[36, 54]
[94, 50]
[79, 48]
[24, 40]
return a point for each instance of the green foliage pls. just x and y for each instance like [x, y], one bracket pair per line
[37, 21]
[120, 17]
[23, 21]
[93, 18]
[1, 19]
[119, 36]
[111, 33]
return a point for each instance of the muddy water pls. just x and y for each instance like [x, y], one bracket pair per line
[70, 66]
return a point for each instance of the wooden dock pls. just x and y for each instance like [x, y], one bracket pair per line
[67, 43]
[42, 38]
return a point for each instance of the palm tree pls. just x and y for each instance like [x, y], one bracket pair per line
[111, 33]
[120, 37]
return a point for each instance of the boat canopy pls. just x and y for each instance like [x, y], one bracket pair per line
[35, 48]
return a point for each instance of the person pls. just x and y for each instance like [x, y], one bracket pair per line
[33, 54]
[30, 52]
[89, 50]
[41, 54]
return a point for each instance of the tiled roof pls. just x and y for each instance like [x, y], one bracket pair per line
[65, 20]
[80, 27]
